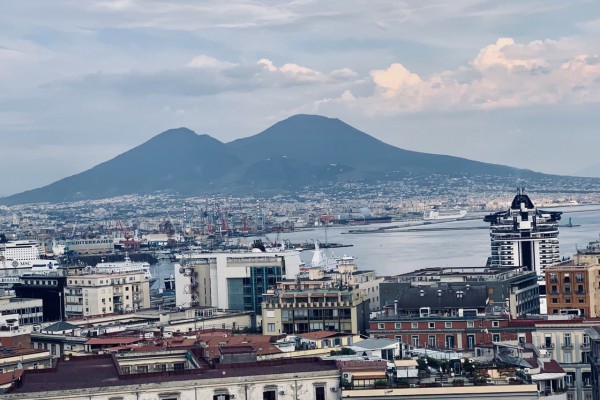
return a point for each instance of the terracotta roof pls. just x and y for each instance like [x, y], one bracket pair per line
[236, 349]
[11, 376]
[552, 367]
[317, 335]
[361, 365]
[149, 348]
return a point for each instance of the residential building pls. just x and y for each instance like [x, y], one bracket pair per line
[100, 294]
[594, 359]
[447, 291]
[573, 289]
[458, 333]
[568, 342]
[27, 310]
[183, 375]
[303, 307]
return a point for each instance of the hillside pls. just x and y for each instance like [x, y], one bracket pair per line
[299, 151]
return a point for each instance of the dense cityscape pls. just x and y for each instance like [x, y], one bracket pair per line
[78, 294]
[299, 200]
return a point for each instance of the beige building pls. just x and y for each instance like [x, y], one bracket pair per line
[100, 294]
[295, 308]
[29, 311]
[567, 342]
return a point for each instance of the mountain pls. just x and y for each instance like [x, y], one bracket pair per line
[177, 159]
[591, 171]
[301, 150]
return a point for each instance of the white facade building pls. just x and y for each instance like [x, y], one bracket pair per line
[99, 294]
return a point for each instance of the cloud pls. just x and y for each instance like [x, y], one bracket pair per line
[504, 74]
[204, 61]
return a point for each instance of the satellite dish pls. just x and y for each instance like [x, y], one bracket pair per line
[19, 365]
[15, 263]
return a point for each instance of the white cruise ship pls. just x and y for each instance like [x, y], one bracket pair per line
[124, 266]
[23, 256]
[442, 214]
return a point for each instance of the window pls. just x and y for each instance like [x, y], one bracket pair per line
[414, 325]
[567, 289]
[320, 393]
[380, 326]
[222, 396]
[567, 278]
[432, 325]
[470, 324]
[567, 340]
[570, 378]
[554, 300]
[142, 369]
[495, 324]
[470, 341]
[414, 340]
[548, 341]
[448, 324]
[398, 325]
[178, 366]
[495, 337]
[270, 394]
[270, 327]
[431, 340]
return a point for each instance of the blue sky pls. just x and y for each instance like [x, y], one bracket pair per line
[511, 82]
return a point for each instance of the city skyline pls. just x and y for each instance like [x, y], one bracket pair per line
[85, 81]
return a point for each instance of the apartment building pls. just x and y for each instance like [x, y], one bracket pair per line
[27, 310]
[99, 294]
[446, 291]
[568, 342]
[139, 377]
[296, 308]
[573, 289]
[459, 333]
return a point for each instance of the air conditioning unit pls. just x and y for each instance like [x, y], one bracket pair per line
[347, 376]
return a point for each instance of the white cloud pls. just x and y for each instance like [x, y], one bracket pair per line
[504, 74]
[204, 61]
[293, 72]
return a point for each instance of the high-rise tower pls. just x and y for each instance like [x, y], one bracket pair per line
[524, 236]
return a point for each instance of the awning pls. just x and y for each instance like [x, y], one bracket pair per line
[548, 376]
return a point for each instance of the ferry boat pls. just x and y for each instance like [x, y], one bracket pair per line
[436, 213]
[123, 267]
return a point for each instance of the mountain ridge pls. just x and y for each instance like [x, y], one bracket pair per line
[293, 153]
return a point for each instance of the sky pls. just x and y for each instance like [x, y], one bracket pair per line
[510, 82]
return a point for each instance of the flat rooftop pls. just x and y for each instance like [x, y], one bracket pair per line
[88, 372]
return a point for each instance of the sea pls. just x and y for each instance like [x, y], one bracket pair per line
[463, 243]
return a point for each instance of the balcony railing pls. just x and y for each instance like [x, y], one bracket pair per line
[567, 346]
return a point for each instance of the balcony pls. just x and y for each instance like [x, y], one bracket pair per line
[581, 292]
[567, 346]
[585, 346]
[549, 346]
